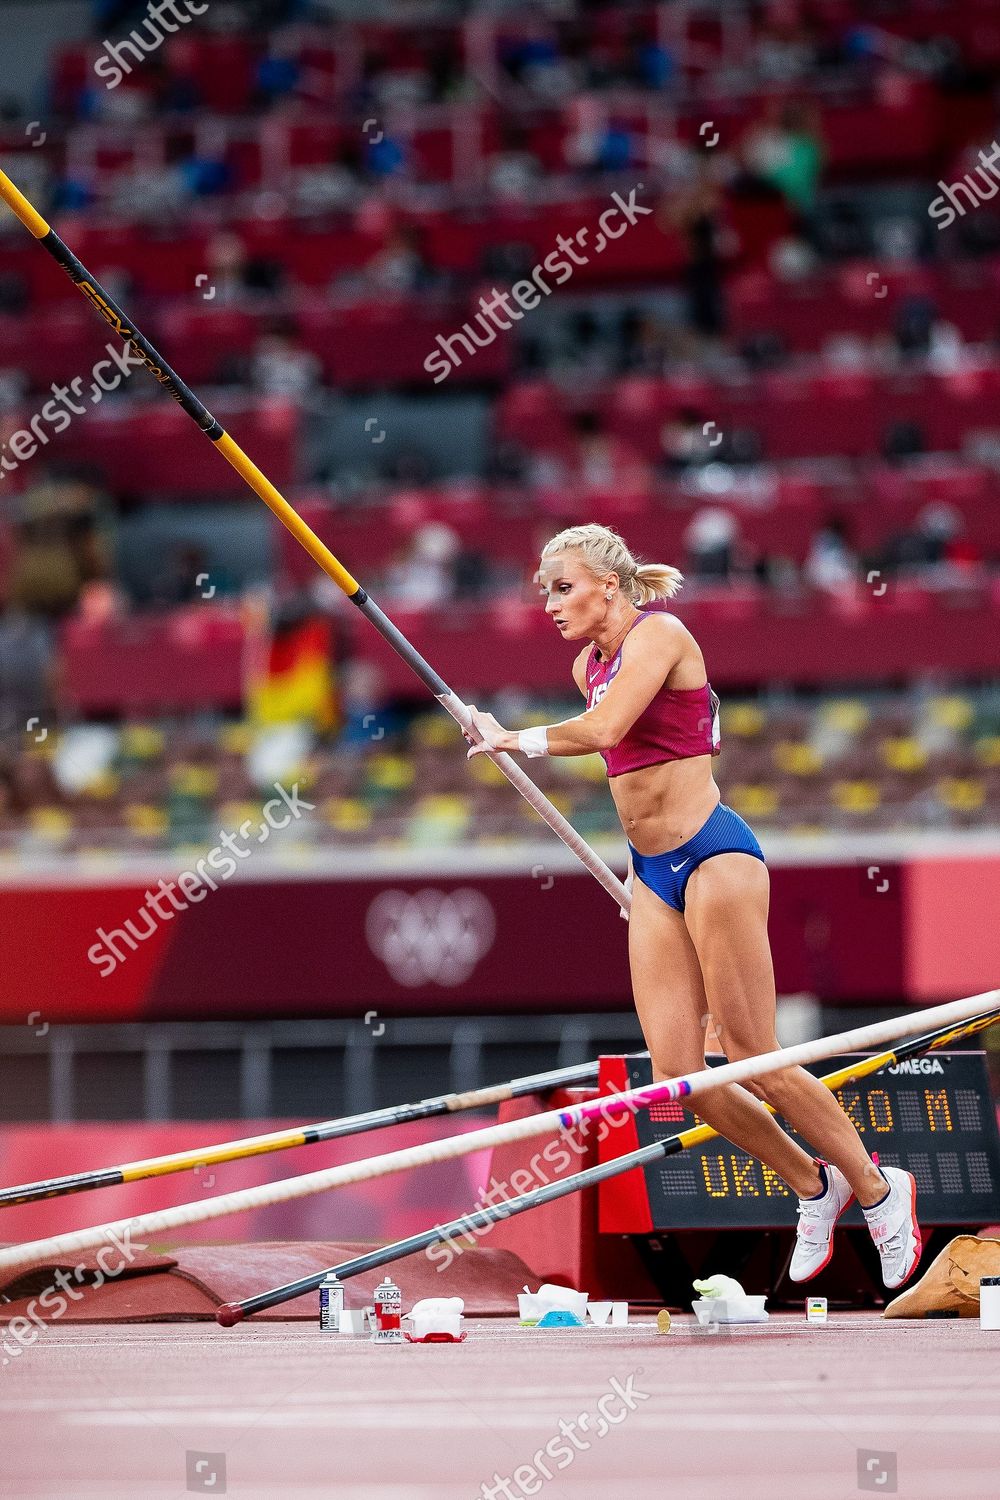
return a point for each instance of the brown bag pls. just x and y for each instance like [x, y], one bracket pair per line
[951, 1282]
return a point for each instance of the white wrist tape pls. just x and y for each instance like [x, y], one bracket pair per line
[533, 741]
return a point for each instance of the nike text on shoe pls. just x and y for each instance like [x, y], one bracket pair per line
[817, 1221]
[893, 1226]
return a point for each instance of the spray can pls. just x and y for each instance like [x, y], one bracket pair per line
[388, 1312]
[331, 1303]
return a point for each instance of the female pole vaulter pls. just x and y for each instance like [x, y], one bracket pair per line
[698, 943]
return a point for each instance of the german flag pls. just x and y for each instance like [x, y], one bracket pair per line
[294, 678]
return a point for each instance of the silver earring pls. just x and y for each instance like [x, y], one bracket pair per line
[607, 596]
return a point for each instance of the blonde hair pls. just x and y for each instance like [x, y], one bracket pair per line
[603, 551]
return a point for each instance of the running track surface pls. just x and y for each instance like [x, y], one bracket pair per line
[769, 1412]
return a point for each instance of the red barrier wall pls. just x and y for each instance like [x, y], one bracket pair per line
[917, 930]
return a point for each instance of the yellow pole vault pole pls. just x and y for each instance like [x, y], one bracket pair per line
[321, 554]
[302, 1135]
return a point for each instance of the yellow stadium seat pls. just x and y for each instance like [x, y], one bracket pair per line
[561, 801]
[754, 801]
[903, 753]
[797, 758]
[194, 781]
[483, 770]
[987, 750]
[103, 786]
[845, 716]
[440, 818]
[188, 851]
[347, 814]
[233, 814]
[142, 741]
[390, 773]
[588, 768]
[856, 796]
[951, 711]
[961, 793]
[146, 820]
[236, 739]
[435, 731]
[745, 720]
[51, 823]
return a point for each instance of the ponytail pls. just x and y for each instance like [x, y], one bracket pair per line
[653, 581]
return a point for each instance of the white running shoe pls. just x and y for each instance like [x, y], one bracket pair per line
[817, 1221]
[893, 1226]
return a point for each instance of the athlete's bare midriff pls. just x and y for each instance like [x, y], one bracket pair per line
[662, 806]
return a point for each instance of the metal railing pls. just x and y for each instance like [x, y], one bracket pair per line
[301, 1069]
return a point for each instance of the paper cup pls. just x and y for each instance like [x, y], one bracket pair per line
[353, 1320]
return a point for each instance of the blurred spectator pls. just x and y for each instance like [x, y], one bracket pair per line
[58, 548]
[179, 580]
[445, 76]
[792, 258]
[282, 367]
[334, 186]
[654, 66]
[936, 538]
[234, 274]
[684, 442]
[26, 670]
[644, 343]
[785, 150]
[45, 576]
[587, 350]
[710, 541]
[513, 172]
[902, 440]
[600, 144]
[385, 156]
[278, 72]
[399, 266]
[425, 575]
[535, 60]
[784, 49]
[205, 176]
[14, 294]
[919, 332]
[604, 462]
[831, 565]
[696, 213]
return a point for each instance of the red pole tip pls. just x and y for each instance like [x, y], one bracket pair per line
[229, 1314]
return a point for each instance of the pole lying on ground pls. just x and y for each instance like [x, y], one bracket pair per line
[321, 554]
[231, 1313]
[165, 1221]
[302, 1135]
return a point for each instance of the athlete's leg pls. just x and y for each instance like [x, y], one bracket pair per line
[670, 1001]
[726, 901]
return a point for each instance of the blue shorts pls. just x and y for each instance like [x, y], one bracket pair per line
[667, 874]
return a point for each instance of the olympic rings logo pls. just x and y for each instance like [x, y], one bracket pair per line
[430, 937]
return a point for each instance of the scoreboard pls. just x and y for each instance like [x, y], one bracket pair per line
[932, 1115]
